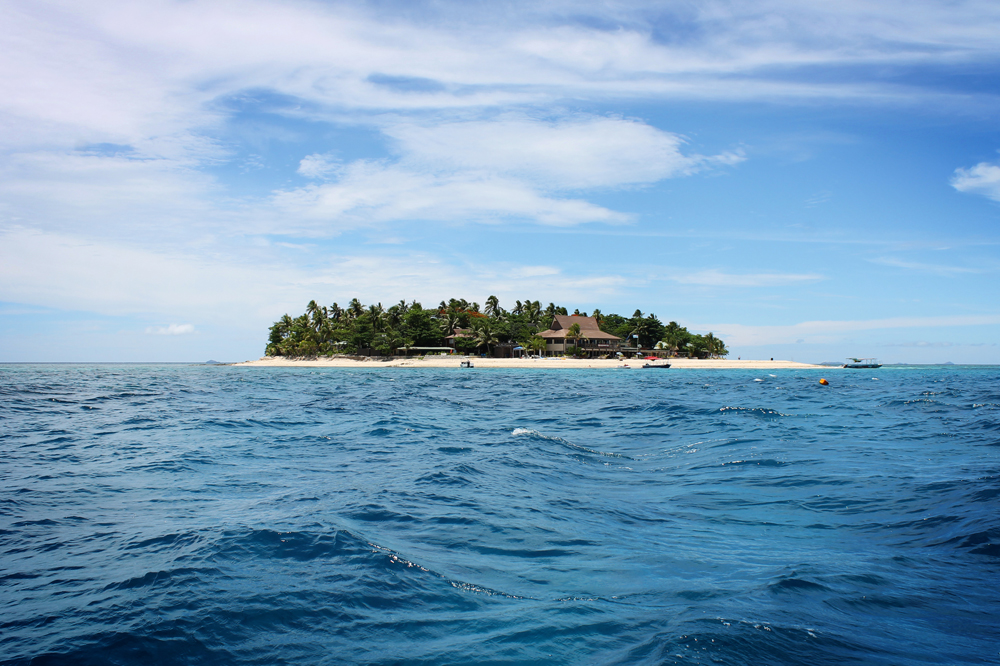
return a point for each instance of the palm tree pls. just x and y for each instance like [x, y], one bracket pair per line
[573, 333]
[312, 309]
[485, 335]
[449, 323]
[377, 315]
[534, 312]
[715, 346]
[536, 344]
[675, 336]
[640, 328]
[493, 306]
[394, 315]
[336, 312]
[355, 309]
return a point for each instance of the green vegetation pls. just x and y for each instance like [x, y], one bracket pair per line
[359, 329]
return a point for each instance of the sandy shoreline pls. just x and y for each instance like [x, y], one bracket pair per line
[544, 363]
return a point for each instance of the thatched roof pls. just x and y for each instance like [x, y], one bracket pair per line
[588, 328]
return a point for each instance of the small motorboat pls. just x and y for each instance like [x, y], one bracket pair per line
[656, 365]
[466, 364]
[861, 363]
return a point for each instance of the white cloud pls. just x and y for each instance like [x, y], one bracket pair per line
[490, 170]
[157, 77]
[145, 74]
[373, 192]
[570, 153]
[319, 166]
[984, 178]
[172, 329]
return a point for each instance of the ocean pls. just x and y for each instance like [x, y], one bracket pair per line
[174, 514]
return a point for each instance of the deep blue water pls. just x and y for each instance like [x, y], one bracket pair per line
[223, 515]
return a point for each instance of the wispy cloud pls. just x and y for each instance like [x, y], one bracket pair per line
[832, 331]
[146, 74]
[818, 199]
[371, 193]
[115, 279]
[715, 278]
[319, 166]
[172, 329]
[934, 269]
[942, 344]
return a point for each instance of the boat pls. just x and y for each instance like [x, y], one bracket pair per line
[466, 364]
[651, 365]
[860, 363]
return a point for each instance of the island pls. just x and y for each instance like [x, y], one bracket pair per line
[407, 334]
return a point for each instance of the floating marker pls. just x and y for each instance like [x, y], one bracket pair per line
[824, 382]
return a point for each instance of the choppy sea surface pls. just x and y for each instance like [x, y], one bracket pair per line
[228, 515]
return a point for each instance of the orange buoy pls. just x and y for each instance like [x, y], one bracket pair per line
[824, 382]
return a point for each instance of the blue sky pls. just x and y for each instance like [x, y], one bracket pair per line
[806, 180]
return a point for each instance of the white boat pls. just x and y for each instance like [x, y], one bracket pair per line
[466, 364]
[859, 363]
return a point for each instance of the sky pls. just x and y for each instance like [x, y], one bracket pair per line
[806, 180]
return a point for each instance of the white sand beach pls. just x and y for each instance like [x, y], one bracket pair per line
[547, 363]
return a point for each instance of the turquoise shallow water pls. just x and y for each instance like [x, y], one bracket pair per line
[221, 515]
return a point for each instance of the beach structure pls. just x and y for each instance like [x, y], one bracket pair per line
[466, 333]
[591, 340]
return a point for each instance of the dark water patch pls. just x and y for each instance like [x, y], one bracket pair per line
[163, 542]
[180, 576]
[126, 648]
[444, 478]
[44, 522]
[521, 552]
[455, 449]
[796, 585]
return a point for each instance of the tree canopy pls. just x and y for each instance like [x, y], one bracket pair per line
[374, 329]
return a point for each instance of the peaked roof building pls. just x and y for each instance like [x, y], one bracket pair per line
[588, 328]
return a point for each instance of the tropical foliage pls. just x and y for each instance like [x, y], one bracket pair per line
[373, 329]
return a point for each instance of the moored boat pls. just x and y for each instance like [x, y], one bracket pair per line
[859, 363]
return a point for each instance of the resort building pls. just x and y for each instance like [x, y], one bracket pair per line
[467, 333]
[593, 341]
